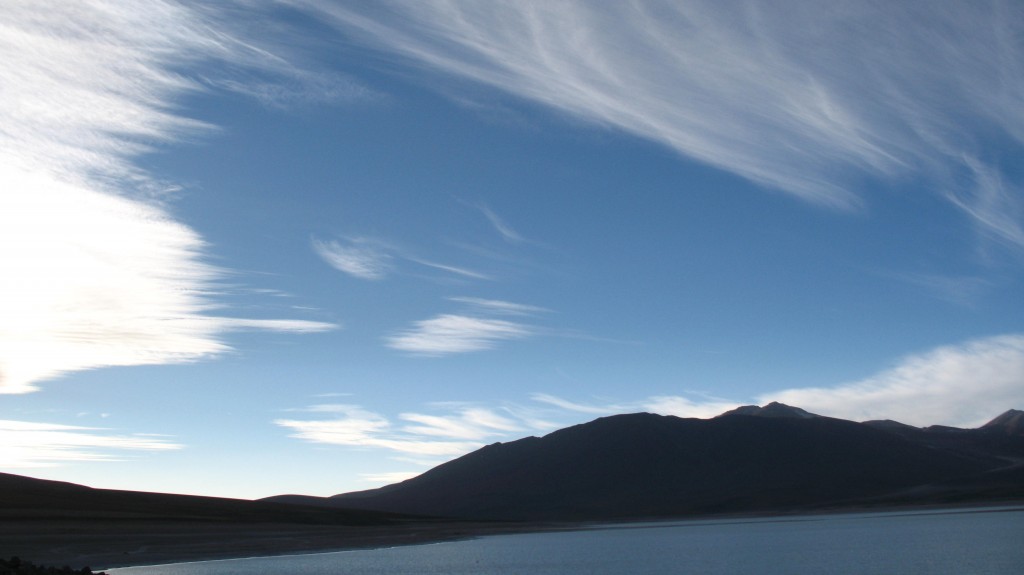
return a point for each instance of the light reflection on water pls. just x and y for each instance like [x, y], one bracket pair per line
[988, 541]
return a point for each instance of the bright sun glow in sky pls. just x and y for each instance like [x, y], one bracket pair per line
[305, 246]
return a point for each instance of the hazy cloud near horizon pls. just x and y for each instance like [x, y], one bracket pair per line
[963, 385]
[425, 435]
[28, 445]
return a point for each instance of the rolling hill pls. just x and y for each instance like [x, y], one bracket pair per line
[56, 523]
[29, 499]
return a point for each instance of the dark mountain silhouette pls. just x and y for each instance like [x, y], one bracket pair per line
[29, 499]
[773, 409]
[1011, 423]
[751, 459]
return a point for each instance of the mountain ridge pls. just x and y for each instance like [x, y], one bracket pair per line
[749, 459]
[773, 409]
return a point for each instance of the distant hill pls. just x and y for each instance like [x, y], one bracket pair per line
[751, 459]
[29, 499]
[54, 523]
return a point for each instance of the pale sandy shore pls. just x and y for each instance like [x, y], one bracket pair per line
[108, 544]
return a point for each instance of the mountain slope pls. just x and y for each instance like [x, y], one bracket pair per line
[643, 465]
[1010, 422]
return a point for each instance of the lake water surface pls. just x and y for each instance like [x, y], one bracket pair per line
[960, 542]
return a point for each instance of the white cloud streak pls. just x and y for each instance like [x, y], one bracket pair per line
[677, 405]
[960, 290]
[96, 271]
[451, 333]
[25, 445]
[460, 333]
[802, 96]
[420, 439]
[302, 90]
[428, 435]
[499, 306]
[506, 231]
[576, 407]
[470, 423]
[371, 259]
[464, 272]
[360, 258]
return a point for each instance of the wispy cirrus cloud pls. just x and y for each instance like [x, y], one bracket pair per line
[475, 329]
[372, 259]
[452, 333]
[804, 97]
[25, 445]
[499, 306]
[97, 271]
[360, 257]
[960, 290]
[992, 198]
[576, 407]
[301, 89]
[503, 228]
[459, 271]
[469, 423]
[677, 405]
[426, 434]
[420, 439]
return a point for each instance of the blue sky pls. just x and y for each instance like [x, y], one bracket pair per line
[252, 248]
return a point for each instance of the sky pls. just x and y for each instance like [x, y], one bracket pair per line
[255, 247]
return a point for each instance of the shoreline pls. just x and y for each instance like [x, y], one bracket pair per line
[357, 547]
[104, 544]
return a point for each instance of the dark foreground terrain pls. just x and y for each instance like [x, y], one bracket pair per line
[54, 523]
[18, 566]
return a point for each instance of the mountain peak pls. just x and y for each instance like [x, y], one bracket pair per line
[773, 409]
[1011, 422]
[888, 424]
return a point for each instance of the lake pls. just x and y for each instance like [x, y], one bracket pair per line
[960, 542]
